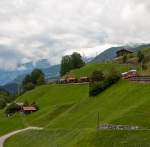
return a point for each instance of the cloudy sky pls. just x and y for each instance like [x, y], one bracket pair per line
[35, 29]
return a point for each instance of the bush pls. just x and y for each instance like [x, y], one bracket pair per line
[96, 88]
[29, 86]
[12, 108]
[5, 98]
[36, 78]
[35, 105]
[99, 86]
[111, 79]
[97, 76]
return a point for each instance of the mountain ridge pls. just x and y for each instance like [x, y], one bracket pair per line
[110, 53]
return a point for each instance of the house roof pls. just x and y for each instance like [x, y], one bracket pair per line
[124, 50]
[133, 70]
[29, 108]
[124, 73]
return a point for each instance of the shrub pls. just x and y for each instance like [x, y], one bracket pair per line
[35, 105]
[97, 76]
[96, 88]
[29, 86]
[26, 103]
[99, 86]
[36, 78]
[12, 108]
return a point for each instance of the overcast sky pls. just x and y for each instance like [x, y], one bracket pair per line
[35, 29]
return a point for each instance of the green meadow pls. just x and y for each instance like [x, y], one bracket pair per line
[69, 116]
[105, 67]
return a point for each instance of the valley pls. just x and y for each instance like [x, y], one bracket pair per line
[69, 116]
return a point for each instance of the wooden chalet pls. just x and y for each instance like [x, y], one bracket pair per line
[68, 78]
[123, 52]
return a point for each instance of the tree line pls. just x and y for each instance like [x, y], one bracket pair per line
[34, 79]
[70, 62]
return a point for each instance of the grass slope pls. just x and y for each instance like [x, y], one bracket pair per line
[69, 116]
[52, 100]
[105, 67]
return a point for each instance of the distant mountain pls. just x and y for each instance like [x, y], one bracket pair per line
[50, 73]
[111, 52]
[12, 88]
[17, 75]
[13, 79]
[87, 59]
[42, 64]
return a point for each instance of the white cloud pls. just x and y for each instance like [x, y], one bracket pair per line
[34, 29]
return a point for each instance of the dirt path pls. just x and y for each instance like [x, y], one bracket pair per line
[3, 138]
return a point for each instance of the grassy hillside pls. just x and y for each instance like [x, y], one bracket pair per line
[105, 67]
[69, 116]
[50, 98]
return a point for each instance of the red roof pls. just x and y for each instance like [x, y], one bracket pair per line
[30, 108]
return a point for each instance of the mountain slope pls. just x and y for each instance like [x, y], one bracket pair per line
[111, 52]
[16, 75]
[70, 116]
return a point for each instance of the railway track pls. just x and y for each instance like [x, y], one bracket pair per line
[145, 79]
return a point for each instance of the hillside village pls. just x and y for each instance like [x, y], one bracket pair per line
[95, 105]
